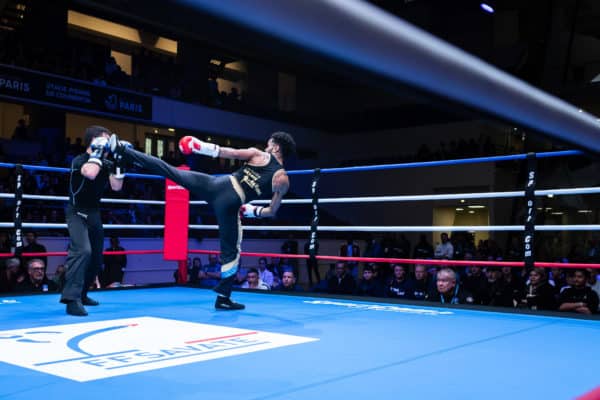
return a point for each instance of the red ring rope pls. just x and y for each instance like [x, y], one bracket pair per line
[363, 259]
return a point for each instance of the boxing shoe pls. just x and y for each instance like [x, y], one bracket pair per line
[88, 301]
[117, 147]
[225, 303]
[75, 307]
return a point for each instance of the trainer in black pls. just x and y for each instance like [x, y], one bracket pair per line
[225, 303]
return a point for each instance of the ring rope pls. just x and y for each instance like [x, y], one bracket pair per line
[341, 258]
[341, 200]
[448, 228]
[511, 157]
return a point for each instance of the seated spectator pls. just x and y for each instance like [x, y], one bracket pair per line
[560, 279]
[176, 274]
[265, 275]
[210, 275]
[499, 293]
[399, 286]
[350, 249]
[32, 247]
[196, 270]
[476, 283]
[595, 273]
[342, 282]
[36, 280]
[9, 274]
[59, 277]
[368, 285]
[447, 290]
[288, 283]
[114, 264]
[539, 294]
[422, 283]
[512, 278]
[579, 297]
[275, 266]
[253, 281]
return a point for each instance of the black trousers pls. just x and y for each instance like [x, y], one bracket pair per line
[218, 192]
[85, 252]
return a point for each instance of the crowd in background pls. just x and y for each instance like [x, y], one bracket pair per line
[563, 289]
[151, 72]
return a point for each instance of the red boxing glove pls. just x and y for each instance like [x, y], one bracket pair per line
[189, 145]
[250, 211]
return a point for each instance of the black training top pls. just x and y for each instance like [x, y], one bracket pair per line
[257, 182]
[83, 192]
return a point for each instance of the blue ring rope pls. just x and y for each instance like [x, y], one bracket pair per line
[512, 157]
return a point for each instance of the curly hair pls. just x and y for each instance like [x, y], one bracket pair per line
[286, 143]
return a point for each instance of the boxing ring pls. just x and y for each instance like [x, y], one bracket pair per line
[169, 342]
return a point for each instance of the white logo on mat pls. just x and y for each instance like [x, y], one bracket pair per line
[379, 307]
[96, 350]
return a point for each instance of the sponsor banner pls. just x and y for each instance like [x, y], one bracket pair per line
[37, 86]
[102, 349]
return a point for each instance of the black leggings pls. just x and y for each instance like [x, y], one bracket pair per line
[220, 194]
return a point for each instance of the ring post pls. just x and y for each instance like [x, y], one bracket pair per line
[530, 214]
[18, 203]
[177, 215]
[313, 242]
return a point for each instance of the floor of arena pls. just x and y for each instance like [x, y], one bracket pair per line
[170, 343]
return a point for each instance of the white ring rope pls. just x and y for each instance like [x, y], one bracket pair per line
[365, 199]
[449, 228]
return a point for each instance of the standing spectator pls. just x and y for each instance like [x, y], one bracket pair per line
[444, 250]
[423, 250]
[312, 264]
[579, 297]
[539, 294]
[447, 290]
[37, 281]
[342, 282]
[402, 248]
[290, 246]
[253, 281]
[113, 264]
[350, 249]
[21, 132]
[288, 283]
[32, 247]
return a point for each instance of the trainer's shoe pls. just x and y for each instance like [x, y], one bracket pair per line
[225, 303]
[88, 301]
[75, 307]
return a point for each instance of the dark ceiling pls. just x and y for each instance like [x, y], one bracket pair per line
[520, 38]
